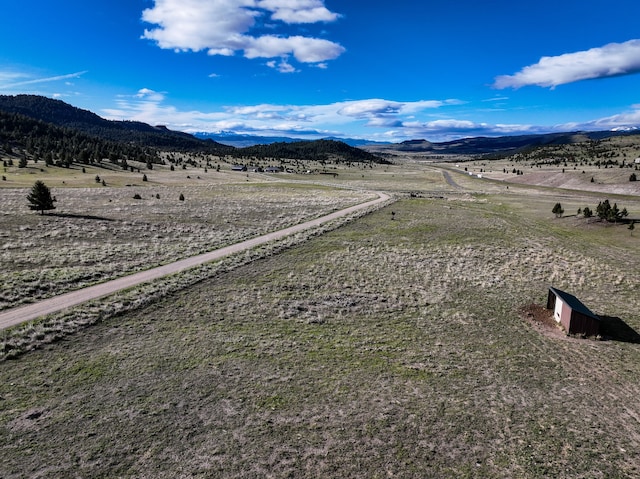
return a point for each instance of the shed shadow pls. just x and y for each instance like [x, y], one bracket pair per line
[83, 217]
[613, 328]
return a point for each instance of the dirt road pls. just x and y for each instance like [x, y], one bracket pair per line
[13, 317]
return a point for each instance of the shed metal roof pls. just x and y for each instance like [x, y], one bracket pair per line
[573, 302]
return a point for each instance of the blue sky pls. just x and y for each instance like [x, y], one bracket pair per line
[378, 70]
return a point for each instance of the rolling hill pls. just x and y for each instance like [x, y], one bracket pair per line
[59, 119]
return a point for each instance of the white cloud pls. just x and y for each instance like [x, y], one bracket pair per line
[283, 66]
[18, 80]
[370, 118]
[610, 60]
[347, 118]
[224, 27]
[10, 77]
[150, 95]
[376, 108]
[627, 119]
[298, 11]
[304, 49]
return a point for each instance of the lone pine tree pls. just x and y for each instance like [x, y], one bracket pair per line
[40, 198]
[557, 210]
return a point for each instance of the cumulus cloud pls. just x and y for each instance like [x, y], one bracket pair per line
[610, 60]
[150, 95]
[379, 119]
[224, 27]
[374, 118]
[339, 119]
[298, 11]
[376, 108]
[626, 120]
[304, 49]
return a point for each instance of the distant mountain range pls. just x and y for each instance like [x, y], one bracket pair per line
[63, 115]
[502, 144]
[243, 140]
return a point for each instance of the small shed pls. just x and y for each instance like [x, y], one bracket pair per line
[238, 168]
[574, 316]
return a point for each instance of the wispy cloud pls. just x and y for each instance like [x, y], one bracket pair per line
[382, 119]
[224, 27]
[624, 120]
[377, 108]
[14, 80]
[610, 60]
[283, 66]
[344, 118]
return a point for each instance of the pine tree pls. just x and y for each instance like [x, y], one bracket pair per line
[557, 210]
[40, 198]
[610, 213]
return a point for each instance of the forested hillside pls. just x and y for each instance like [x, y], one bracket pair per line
[58, 133]
[319, 150]
[36, 140]
[61, 114]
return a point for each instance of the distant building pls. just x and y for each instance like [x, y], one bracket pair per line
[273, 169]
[238, 168]
[574, 316]
[637, 161]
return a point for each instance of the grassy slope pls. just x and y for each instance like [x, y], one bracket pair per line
[383, 348]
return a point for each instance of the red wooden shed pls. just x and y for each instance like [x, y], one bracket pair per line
[574, 316]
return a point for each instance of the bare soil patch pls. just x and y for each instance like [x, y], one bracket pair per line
[542, 320]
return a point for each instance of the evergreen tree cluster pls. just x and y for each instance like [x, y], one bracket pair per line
[62, 146]
[61, 114]
[61, 134]
[606, 212]
[318, 150]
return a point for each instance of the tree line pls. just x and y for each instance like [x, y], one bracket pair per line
[605, 211]
[26, 137]
[59, 134]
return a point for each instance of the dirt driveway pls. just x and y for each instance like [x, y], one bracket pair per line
[13, 317]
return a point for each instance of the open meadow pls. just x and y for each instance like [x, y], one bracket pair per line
[394, 346]
[100, 232]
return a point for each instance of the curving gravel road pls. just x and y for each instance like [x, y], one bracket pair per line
[15, 316]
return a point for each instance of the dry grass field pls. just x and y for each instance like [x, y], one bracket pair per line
[613, 180]
[394, 346]
[98, 233]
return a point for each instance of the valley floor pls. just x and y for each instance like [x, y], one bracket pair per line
[392, 346]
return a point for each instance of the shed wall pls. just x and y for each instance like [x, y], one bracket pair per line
[565, 315]
[581, 324]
